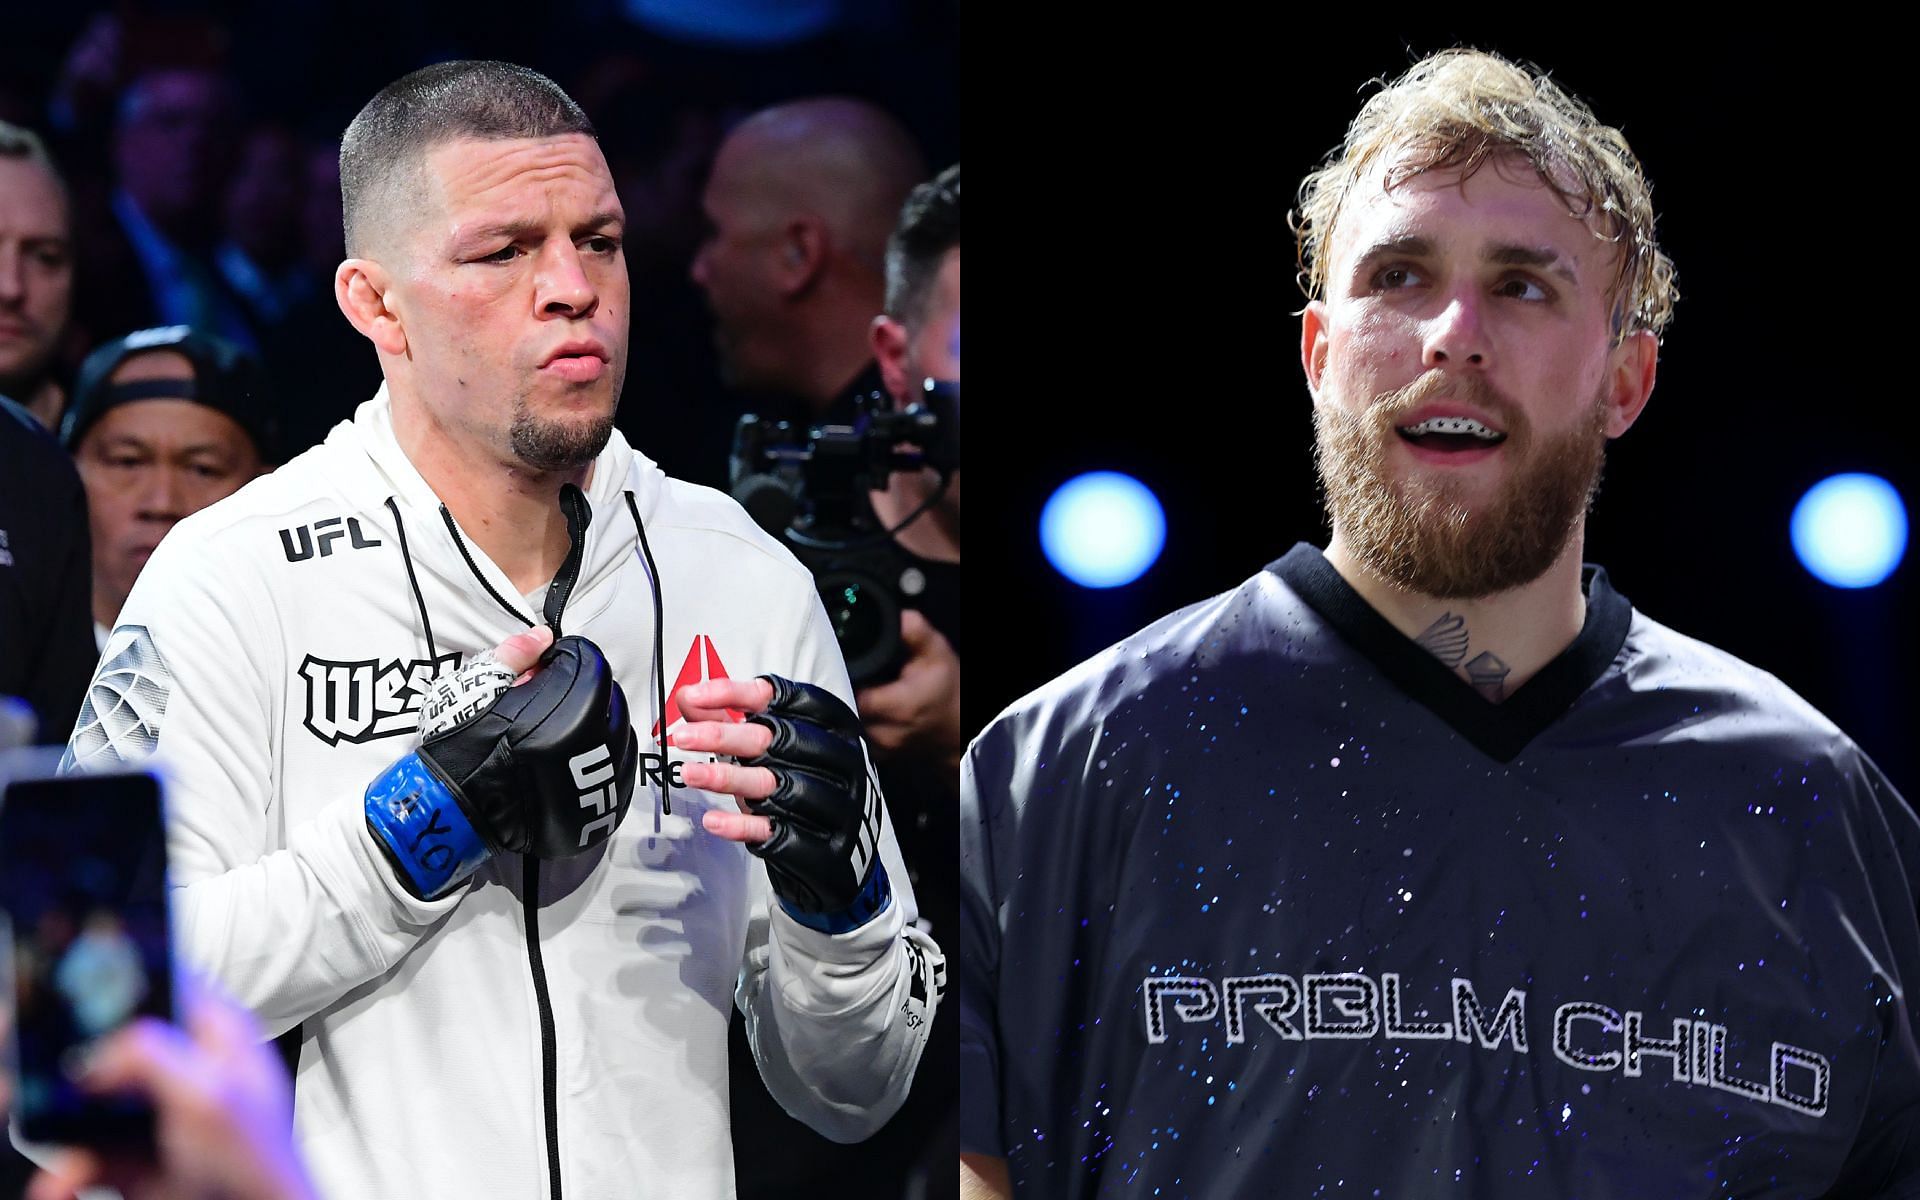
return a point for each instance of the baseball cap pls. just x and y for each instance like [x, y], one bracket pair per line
[226, 378]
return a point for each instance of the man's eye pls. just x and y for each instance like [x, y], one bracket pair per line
[603, 244]
[1391, 278]
[503, 254]
[1519, 287]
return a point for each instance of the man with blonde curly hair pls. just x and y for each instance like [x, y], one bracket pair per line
[1426, 863]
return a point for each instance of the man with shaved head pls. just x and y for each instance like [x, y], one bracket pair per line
[799, 206]
[433, 808]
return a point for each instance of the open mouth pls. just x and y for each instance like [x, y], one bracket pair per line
[1450, 435]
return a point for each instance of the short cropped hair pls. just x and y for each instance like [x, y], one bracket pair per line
[929, 226]
[24, 145]
[391, 136]
[1454, 111]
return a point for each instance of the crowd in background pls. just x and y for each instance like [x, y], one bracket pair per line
[199, 146]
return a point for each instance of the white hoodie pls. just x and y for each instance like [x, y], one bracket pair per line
[271, 653]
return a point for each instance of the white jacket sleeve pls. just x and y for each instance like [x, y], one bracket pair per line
[191, 676]
[838, 1021]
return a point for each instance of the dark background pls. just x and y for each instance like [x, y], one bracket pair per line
[1146, 324]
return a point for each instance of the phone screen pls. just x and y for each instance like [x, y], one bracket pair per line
[83, 885]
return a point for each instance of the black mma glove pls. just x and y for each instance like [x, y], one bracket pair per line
[823, 856]
[545, 769]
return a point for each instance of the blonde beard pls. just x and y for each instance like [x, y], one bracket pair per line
[1424, 538]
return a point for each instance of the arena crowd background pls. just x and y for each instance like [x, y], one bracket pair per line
[661, 81]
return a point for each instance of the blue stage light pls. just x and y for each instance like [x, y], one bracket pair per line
[1850, 530]
[1102, 529]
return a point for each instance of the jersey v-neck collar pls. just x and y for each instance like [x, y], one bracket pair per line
[1501, 731]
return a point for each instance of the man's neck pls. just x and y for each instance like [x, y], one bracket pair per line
[830, 354]
[40, 395]
[511, 512]
[1497, 642]
[107, 601]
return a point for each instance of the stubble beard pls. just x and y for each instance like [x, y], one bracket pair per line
[557, 444]
[1426, 535]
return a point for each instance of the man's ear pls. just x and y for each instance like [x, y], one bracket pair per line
[1630, 373]
[889, 340]
[362, 289]
[1313, 344]
[802, 254]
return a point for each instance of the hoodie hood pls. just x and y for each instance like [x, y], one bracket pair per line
[375, 468]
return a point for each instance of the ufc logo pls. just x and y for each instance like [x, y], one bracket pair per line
[868, 841]
[593, 775]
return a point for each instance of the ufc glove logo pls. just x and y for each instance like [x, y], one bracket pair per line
[593, 775]
[868, 839]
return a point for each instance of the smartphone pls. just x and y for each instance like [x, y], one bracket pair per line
[83, 887]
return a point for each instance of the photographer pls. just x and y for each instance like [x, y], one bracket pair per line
[916, 339]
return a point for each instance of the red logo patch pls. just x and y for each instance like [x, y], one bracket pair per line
[703, 663]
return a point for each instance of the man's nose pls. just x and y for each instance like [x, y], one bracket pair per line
[562, 284]
[1457, 335]
[163, 494]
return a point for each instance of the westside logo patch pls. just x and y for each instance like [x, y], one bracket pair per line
[359, 700]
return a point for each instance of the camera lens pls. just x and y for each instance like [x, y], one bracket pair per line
[865, 620]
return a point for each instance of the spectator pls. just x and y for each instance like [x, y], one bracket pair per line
[45, 654]
[320, 368]
[164, 422]
[173, 150]
[36, 273]
[262, 255]
[799, 205]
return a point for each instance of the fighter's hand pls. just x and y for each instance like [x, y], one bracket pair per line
[511, 760]
[711, 729]
[920, 710]
[521, 652]
[805, 775]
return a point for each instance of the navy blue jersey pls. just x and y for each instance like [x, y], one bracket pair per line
[1266, 902]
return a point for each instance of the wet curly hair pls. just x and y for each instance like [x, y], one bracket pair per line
[1454, 111]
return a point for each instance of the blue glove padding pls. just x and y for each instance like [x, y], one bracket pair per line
[426, 835]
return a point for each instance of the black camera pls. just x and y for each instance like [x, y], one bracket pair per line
[808, 487]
